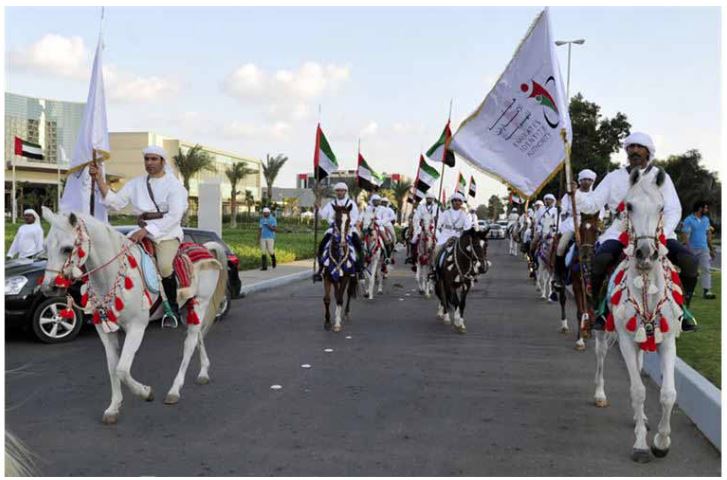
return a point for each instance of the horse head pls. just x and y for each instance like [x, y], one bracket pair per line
[644, 206]
[343, 219]
[475, 242]
[67, 249]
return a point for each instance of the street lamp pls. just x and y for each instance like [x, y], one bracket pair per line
[569, 43]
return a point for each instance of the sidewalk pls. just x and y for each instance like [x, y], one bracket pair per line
[256, 280]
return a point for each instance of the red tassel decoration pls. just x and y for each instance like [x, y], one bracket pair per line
[148, 297]
[118, 304]
[111, 315]
[631, 324]
[662, 239]
[624, 238]
[678, 298]
[616, 298]
[675, 278]
[132, 261]
[84, 299]
[128, 284]
[96, 317]
[610, 324]
[663, 325]
[649, 345]
[62, 282]
[621, 207]
[67, 313]
[81, 252]
[619, 276]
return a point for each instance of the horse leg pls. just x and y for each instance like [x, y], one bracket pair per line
[347, 313]
[419, 275]
[662, 441]
[190, 343]
[111, 346]
[339, 289]
[427, 282]
[204, 363]
[134, 336]
[327, 302]
[372, 277]
[640, 450]
[563, 319]
[460, 308]
[381, 283]
[601, 350]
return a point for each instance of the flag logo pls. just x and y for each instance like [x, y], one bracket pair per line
[544, 98]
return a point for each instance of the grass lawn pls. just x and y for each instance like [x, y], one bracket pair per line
[702, 350]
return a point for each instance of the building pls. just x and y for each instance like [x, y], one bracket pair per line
[294, 200]
[308, 180]
[127, 162]
[54, 125]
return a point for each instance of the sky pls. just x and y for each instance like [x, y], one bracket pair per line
[251, 79]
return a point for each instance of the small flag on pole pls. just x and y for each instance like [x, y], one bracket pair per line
[427, 175]
[28, 149]
[367, 178]
[461, 185]
[324, 161]
[440, 152]
[473, 187]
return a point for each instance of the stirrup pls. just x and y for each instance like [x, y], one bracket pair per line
[688, 323]
[169, 314]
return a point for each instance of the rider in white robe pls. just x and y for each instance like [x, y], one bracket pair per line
[452, 222]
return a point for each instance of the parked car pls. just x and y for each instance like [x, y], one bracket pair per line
[497, 231]
[28, 308]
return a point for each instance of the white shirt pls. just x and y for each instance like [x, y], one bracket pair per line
[328, 213]
[385, 216]
[612, 191]
[474, 220]
[28, 241]
[551, 212]
[424, 209]
[512, 219]
[452, 223]
[566, 221]
[170, 195]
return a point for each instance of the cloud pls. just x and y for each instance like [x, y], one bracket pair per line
[286, 94]
[68, 57]
[370, 129]
[277, 130]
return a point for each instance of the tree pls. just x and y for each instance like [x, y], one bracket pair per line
[271, 169]
[354, 190]
[249, 201]
[494, 207]
[595, 139]
[190, 164]
[693, 182]
[401, 190]
[483, 211]
[235, 173]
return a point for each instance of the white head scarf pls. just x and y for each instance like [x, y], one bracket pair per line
[30, 211]
[431, 195]
[157, 150]
[457, 196]
[639, 138]
[341, 186]
[549, 196]
[587, 174]
[374, 197]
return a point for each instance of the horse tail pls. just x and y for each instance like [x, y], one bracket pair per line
[19, 460]
[353, 286]
[220, 289]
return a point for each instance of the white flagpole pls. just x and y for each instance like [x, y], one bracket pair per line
[14, 202]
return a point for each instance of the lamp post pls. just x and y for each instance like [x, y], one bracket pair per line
[569, 43]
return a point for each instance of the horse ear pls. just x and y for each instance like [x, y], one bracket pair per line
[72, 219]
[634, 177]
[48, 214]
[660, 177]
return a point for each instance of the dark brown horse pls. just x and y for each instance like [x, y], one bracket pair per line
[339, 270]
[580, 273]
[457, 264]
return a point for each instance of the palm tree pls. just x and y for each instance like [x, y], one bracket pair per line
[249, 201]
[190, 164]
[235, 173]
[401, 190]
[271, 168]
[354, 190]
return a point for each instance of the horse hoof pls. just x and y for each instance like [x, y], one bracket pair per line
[327, 326]
[564, 330]
[150, 396]
[110, 418]
[421, 292]
[461, 330]
[336, 329]
[659, 453]
[580, 347]
[203, 380]
[171, 399]
[447, 322]
[601, 403]
[640, 456]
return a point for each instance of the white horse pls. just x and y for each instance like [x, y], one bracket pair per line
[545, 271]
[425, 251]
[118, 298]
[646, 309]
[513, 234]
[374, 252]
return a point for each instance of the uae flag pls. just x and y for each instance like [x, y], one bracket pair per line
[28, 149]
[461, 185]
[367, 178]
[473, 187]
[427, 175]
[417, 194]
[324, 161]
[440, 152]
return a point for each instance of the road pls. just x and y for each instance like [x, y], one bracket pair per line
[400, 394]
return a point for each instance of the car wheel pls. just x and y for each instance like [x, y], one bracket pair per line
[225, 305]
[49, 327]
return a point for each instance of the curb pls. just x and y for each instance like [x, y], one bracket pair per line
[274, 283]
[698, 398]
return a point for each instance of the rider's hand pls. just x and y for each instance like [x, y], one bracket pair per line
[94, 171]
[138, 235]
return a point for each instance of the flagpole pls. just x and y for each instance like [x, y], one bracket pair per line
[92, 206]
[14, 203]
[316, 199]
[58, 187]
[441, 175]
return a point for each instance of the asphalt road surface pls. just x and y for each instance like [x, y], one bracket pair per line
[400, 394]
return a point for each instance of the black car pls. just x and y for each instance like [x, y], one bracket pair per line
[27, 307]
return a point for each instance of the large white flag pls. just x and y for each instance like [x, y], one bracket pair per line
[93, 135]
[514, 135]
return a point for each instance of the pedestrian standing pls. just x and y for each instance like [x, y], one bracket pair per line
[266, 237]
[697, 236]
[29, 238]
